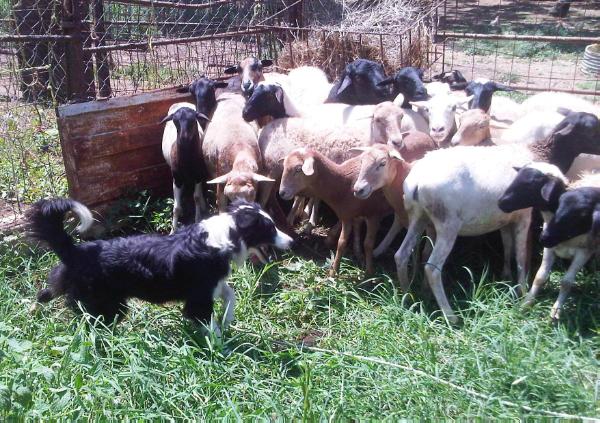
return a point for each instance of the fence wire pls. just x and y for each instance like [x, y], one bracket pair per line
[521, 44]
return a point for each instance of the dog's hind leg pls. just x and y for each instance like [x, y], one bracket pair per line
[57, 285]
[199, 308]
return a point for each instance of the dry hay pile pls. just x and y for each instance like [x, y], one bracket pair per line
[331, 47]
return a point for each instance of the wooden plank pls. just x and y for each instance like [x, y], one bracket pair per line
[112, 148]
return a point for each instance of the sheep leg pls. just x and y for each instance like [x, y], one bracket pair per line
[446, 236]
[568, 280]
[264, 193]
[199, 202]
[221, 199]
[341, 246]
[372, 227]
[389, 237]
[293, 214]
[541, 276]
[333, 235]
[415, 229]
[521, 241]
[177, 210]
[507, 244]
[429, 242]
[356, 231]
[314, 213]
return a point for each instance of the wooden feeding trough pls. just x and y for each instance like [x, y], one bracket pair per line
[112, 148]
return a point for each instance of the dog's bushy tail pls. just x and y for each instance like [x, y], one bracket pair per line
[46, 224]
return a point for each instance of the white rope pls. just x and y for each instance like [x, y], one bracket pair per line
[450, 384]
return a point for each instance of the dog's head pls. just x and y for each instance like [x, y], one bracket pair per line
[255, 227]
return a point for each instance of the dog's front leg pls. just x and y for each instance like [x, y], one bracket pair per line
[227, 295]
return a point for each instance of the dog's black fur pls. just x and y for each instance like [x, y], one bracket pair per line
[102, 275]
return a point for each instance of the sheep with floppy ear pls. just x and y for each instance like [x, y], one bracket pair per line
[182, 150]
[231, 152]
[570, 224]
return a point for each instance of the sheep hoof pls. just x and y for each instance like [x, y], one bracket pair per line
[528, 302]
[555, 314]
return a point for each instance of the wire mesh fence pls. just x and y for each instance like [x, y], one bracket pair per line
[521, 43]
[58, 51]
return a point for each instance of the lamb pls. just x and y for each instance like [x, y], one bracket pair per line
[231, 152]
[251, 72]
[453, 78]
[457, 190]
[359, 84]
[441, 112]
[541, 186]
[475, 128]
[204, 91]
[182, 150]
[407, 81]
[308, 172]
[385, 167]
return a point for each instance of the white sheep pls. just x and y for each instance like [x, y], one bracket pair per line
[551, 100]
[231, 152]
[457, 190]
[182, 150]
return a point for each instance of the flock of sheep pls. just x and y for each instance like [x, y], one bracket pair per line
[446, 157]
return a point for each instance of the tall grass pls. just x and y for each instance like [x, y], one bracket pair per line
[155, 364]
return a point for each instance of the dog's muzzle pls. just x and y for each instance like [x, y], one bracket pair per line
[283, 241]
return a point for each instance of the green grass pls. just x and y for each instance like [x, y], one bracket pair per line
[522, 49]
[32, 165]
[155, 364]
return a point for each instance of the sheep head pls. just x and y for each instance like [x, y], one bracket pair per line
[441, 111]
[251, 72]
[376, 169]
[409, 82]
[240, 185]
[536, 185]
[299, 173]
[473, 128]
[386, 124]
[266, 100]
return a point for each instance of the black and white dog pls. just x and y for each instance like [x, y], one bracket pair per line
[191, 265]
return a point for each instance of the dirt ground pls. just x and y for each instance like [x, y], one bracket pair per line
[552, 66]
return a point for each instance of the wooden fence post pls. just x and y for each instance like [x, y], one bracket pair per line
[102, 57]
[78, 65]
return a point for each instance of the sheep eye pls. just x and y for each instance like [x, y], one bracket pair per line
[382, 164]
[298, 169]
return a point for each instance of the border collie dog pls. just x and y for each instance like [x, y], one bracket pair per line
[191, 265]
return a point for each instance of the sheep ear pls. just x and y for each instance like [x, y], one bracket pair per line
[359, 150]
[502, 87]
[566, 130]
[394, 154]
[279, 94]
[399, 100]
[184, 89]
[464, 100]
[421, 73]
[518, 169]
[420, 104]
[260, 178]
[345, 84]
[405, 134]
[221, 84]
[596, 221]
[232, 69]
[202, 116]
[166, 119]
[551, 189]
[218, 180]
[386, 81]
[308, 167]
[266, 62]
[564, 111]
